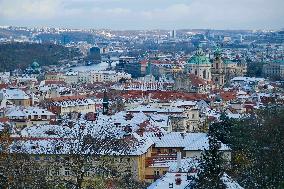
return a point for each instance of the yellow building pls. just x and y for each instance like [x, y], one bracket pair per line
[25, 117]
[15, 96]
[54, 76]
[223, 70]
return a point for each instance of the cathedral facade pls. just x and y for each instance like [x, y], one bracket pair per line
[199, 65]
[218, 70]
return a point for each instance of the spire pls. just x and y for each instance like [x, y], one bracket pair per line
[149, 69]
[217, 52]
[199, 51]
[105, 103]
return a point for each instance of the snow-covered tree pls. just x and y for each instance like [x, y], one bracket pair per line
[211, 168]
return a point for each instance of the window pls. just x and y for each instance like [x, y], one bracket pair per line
[36, 170]
[193, 115]
[56, 172]
[67, 171]
[204, 74]
[47, 171]
[156, 173]
[87, 174]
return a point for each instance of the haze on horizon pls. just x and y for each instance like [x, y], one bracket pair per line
[144, 14]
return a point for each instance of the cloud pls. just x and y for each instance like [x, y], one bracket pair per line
[139, 14]
[23, 9]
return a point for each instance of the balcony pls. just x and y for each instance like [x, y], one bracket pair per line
[158, 157]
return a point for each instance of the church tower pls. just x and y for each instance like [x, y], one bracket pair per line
[105, 103]
[218, 69]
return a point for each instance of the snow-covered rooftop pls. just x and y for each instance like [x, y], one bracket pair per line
[27, 111]
[188, 141]
[14, 94]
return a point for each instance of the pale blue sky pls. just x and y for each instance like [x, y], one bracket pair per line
[144, 14]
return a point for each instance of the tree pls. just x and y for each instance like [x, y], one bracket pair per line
[211, 168]
[223, 128]
[127, 182]
[14, 55]
[83, 151]
[256, 142]
[90, 152]
[18, 169]
[264, 141]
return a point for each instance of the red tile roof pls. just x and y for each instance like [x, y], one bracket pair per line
[228, 95]
[64, 98]
[54, 82]
[196, 81]
[4, 120]
[159, 95]
[3, 86]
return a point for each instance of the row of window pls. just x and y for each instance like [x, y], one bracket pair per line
[67, 159]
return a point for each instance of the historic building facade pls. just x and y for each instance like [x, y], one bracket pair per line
[274, 69]
[219, 70]
[199, 65]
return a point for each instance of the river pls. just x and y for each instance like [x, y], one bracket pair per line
[94, 67]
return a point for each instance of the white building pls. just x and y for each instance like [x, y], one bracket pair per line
[95, 76]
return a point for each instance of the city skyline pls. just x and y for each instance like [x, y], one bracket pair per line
[130, 15]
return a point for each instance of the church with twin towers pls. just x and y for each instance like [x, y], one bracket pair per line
[217, 70]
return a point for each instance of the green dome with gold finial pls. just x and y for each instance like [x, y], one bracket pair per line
[199, 57]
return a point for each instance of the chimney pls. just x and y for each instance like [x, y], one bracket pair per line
[178, 161]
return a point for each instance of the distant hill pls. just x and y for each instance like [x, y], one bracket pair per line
[21, 55]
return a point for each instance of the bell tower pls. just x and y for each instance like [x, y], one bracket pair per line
[105, 103]
[218, 69]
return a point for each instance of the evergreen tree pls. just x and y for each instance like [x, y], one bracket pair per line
[257, 147]
[211, 169]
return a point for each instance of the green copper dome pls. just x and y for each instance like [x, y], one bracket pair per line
[199, 58]
[34, 65]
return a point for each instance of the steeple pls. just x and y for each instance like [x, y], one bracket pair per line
[217, 52]
[199, 51]
[105, 103]
[149, 69]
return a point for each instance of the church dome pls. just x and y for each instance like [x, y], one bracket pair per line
[35, 65]
[199, 58]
